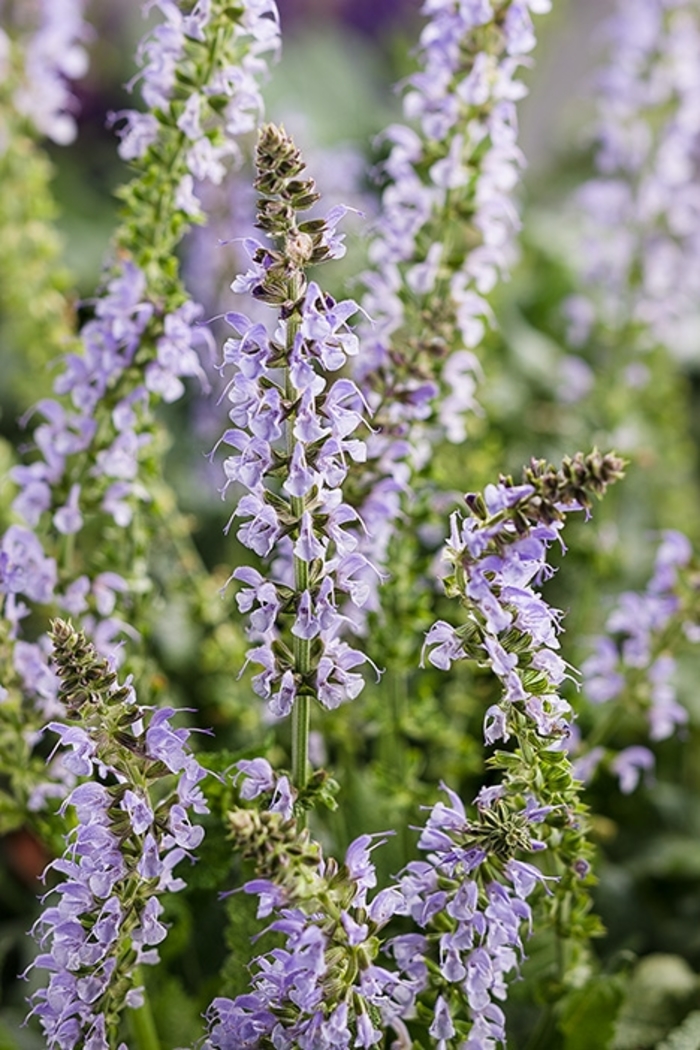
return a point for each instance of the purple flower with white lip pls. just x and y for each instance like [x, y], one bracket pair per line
[261, 779]
[25, 568]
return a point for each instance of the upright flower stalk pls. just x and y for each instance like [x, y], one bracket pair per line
[97, 450]
[632, 670]
[293, 440]
[640, 263]
[133, 827]
[496, 555]
[444, 238]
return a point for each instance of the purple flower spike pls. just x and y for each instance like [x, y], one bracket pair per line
[295, 437]
[104, 918]
[638, 627]
[474, 920]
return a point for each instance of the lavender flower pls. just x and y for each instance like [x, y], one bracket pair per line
[498, 557]
[103, 920]
[294, 440]
[469, 896]
[427, 307]
[322, 988]
[54, 55]
[126, 316]
[496, 554]
[633, 663]
[640, 210]
[636, 641]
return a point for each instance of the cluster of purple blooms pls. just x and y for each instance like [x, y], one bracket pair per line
[472, 921]
[65, 439]
[319, 417]
[88, 463]
[640, 631]
[54, 55]
[500, 567]
[325, 988]
[314, 993]
[104, 917]
[465, 108]
[642, 253]
[160, 54]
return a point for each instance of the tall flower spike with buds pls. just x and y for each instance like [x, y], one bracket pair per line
[293, 438]
[323, 989]
[445, 237]
[92, 440]
[496, 554]
[470, 895]
[133, 828]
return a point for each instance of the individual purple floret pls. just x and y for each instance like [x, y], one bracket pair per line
[261, 779]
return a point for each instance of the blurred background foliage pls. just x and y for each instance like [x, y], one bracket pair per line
[333, 89]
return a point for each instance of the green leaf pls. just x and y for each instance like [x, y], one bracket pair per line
[12, 815]
[589, 1013]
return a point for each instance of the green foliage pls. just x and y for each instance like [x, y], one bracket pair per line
[662, 989]
[588, 1014]
[686, 1036]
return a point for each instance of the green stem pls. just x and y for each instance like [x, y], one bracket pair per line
[301, 647]
[142, 1025]
[301, 718]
